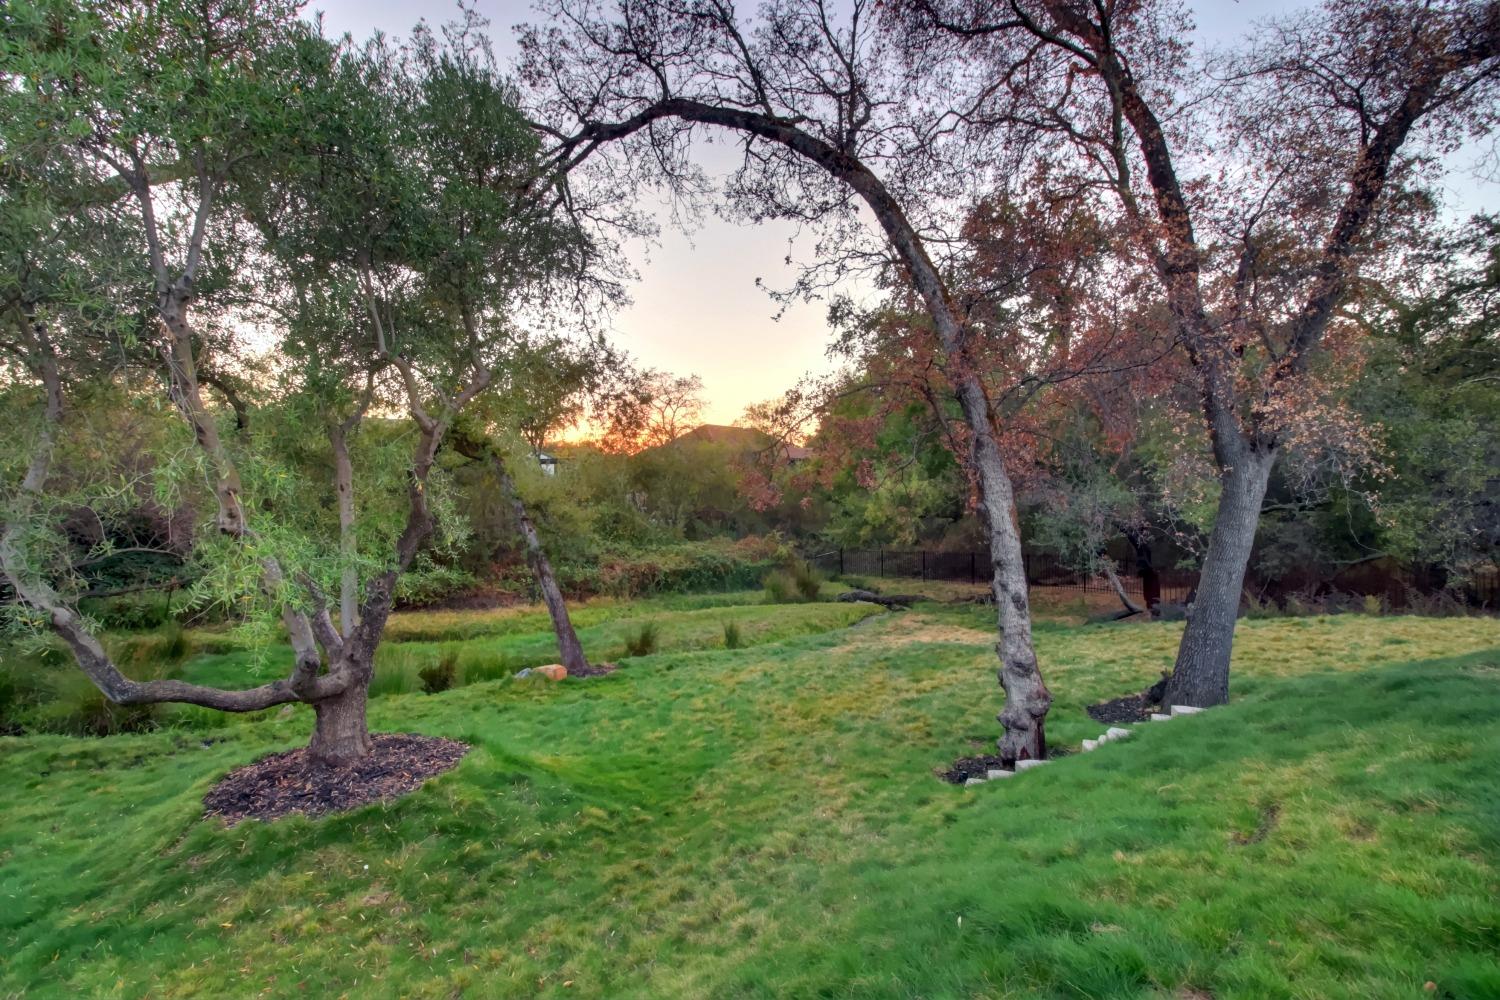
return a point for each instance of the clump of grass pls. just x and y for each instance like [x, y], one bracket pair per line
[442, 675]
[796, 581]
[778, 586]
[1298, 606]
[643, 641]
[732, 637]
[809, 581]
[166, 645]
[74, 706]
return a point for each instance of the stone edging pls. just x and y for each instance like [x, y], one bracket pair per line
[1111, 735]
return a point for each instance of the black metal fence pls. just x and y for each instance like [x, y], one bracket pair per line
[1042, 570]
[1174, 586]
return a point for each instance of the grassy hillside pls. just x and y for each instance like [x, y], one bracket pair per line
[765, 822]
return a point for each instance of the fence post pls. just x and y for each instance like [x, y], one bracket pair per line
[924, 564]
[880, 559]
[973, 572]
[841, 560]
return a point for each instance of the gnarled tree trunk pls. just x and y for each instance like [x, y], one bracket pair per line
[1201, 676]
[341, 734]
[1027, 699]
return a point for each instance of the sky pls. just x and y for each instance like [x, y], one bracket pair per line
[697, 308]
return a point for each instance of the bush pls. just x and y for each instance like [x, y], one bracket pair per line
[732, 637]
[442, 675]
[129, 612]
[431, 585]
[643, 642]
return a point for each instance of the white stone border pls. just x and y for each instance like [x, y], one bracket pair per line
[1111, 735]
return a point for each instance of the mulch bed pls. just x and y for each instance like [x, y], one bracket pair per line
[970, 767]
[594, 670]
[293, 782]
[1130, 707]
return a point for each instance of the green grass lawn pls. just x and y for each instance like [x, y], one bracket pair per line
[765, 822]
[493, 647]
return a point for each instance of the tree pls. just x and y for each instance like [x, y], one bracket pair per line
[806, 93]
[1313, 143]
[1431, 384]
[546, 386]
[424, 243]
[657, 407]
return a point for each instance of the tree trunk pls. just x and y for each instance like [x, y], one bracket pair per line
[341, 735]
[1131, 608]
[343, 485]
[1201, 675]
[1027, 699]
[570, 650]
[1145, 567]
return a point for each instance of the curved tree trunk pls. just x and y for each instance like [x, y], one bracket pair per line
[1201, 675]
[570, 650]
[1131, 608]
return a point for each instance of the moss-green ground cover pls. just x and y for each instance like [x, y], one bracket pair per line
[764, 822]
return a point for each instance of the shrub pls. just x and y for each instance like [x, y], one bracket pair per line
[1255, 607]
[1443, 604]
[23, 683]
[128, 612]
[442, 675]
[643, 642]
[428, 585]
[732, 637]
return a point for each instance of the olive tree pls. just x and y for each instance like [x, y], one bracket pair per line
[201, 138]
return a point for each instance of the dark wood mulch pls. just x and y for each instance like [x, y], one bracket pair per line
[1130, 707]
[293, 782]
[595, 670]
[970, 767]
